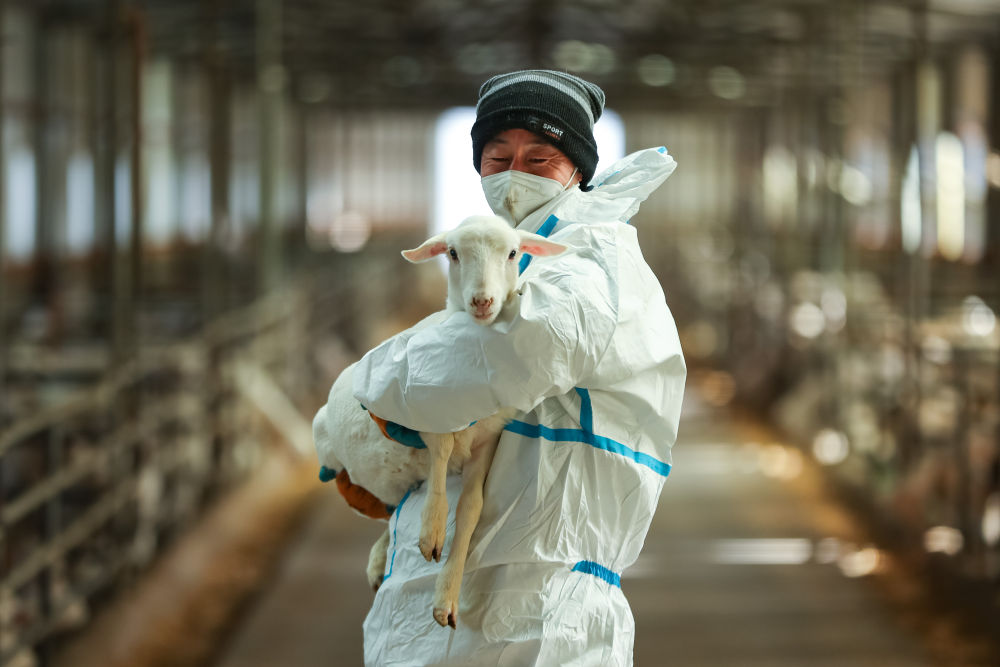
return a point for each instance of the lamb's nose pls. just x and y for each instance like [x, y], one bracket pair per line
[482, 303]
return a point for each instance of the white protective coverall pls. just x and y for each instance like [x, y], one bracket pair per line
[591, 357]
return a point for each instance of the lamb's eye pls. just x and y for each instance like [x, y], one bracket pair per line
[454, 255]
[512, 255]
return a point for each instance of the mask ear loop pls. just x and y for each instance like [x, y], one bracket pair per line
[571, 178]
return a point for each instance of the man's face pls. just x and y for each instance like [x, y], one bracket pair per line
[522, 150]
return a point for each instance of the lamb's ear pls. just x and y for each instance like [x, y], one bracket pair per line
[432, 247]
[533, 244]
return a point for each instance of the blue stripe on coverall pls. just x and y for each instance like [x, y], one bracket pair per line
[582, 435]
[599, 571]
[399, 508]
[585, 434]
[597, 441]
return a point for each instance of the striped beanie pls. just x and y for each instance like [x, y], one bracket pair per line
[558, 107]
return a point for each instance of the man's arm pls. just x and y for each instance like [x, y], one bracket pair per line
[445, 376]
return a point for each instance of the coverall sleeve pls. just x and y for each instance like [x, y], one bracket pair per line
[442, 377]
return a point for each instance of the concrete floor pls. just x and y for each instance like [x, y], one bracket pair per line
[747, 563]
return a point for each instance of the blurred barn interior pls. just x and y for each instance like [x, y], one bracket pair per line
[202, 203]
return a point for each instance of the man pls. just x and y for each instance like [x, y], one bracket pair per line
[589, 354]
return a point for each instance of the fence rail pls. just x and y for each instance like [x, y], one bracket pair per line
[92, 489]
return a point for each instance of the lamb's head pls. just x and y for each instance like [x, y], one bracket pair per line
[484, 253]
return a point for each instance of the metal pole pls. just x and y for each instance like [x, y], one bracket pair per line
[110, 280]
[137, 40]
[43, 288]
[214, 274]
[991, 260]
[270, 87]
[302, 208]
[925, 123]
[3, 221]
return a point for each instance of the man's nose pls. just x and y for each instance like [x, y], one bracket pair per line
[518, 163]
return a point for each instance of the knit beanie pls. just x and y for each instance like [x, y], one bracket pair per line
[558, 107]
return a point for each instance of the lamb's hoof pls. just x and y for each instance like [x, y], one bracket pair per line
[432, 544]
[375, 575]
[446, 616]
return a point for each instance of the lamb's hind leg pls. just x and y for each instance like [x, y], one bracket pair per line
[377, 559]
[470, 505]
[434, 520]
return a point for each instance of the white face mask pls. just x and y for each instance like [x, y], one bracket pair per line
[515, 194]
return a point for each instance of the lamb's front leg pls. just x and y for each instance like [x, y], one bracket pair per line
[376, 560]
[434, 520]
[470, 505]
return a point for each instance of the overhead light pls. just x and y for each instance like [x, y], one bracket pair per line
[576, 56]
[909, 203]
[978, 319]
[950, 165]
[860, 563]
[726, 82]
[807, 320]
[990, 527]
[943, 539]
[656, 70]
[830, 447]
[854, 185]
[936, 349]
[573, 55]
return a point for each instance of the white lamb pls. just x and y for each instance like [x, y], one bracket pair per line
[484, 255]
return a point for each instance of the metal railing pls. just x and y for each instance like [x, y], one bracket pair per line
[93, 489]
